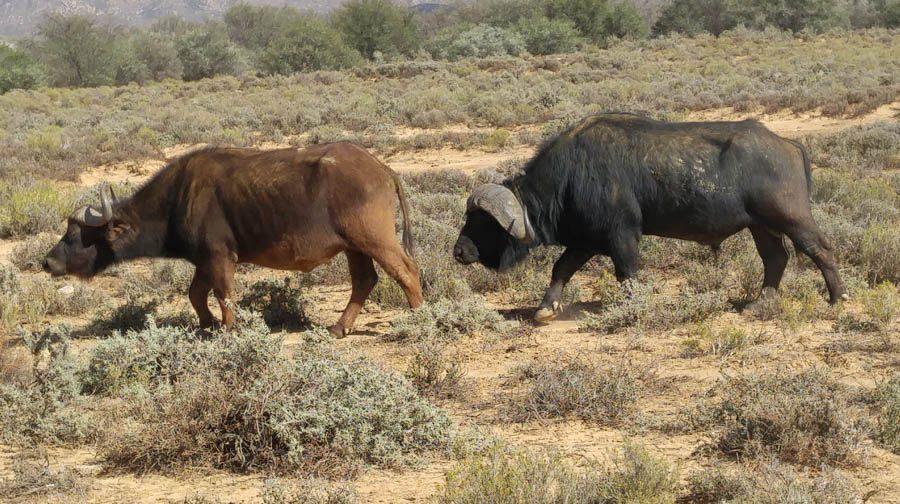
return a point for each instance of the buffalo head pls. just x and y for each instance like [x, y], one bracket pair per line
[497, 232]
[85, 249]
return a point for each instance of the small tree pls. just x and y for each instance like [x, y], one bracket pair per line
[205, 51]
[890, 14]
[378, 25]
[76, 50]
[797, 15]
[694, 16]
[548, 36]
[598, 19]
[147, 56]
[309, 44]
[256, 26]
[18, 70]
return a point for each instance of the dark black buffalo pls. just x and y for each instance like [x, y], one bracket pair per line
[611, 178]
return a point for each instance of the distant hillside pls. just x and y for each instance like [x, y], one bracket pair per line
[18, 17]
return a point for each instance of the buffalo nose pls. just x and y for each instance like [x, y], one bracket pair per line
[457, 252]
[45, 265]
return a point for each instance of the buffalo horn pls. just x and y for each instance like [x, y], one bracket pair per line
[504, 207]
[90, 216]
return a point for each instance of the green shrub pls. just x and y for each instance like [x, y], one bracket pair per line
[206, 51]
[31, 206]
[881, 304]
[805, 418]
[308, 44]
[564, 385]
[890, 14]
[691, 17]
[247, 405]
[44, 410]
[483, 41]
[448, 321]
[380, 26]
[19, 71]
[887, 414]
[548, 36]
[508, 475]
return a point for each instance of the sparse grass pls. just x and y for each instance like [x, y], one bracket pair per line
[564, 385]
[307, 492]
[448, 321]
[245, 405]
[509, 475]
[772, 482]
[436, 369]
[881, 304]
[33, 478]
[805, 418]
[280, 302]
[28, 255]
[703, 339]
[645, 306]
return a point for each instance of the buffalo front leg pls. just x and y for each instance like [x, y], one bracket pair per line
[222, 279]
[363, 279]
[199, 294]
[568, 263]
[774, 257]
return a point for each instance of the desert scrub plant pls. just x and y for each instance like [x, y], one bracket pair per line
[565, 384]
[807, 418]
[44, 410]
[280, 302]
[27, 256]
[245, 405]
[307, 491]
[881, 304]
[132, 314]
[643, 305]
[887, 413]
[704, 339]
[446, 320]
[10, 290]
[504, 474]
[436, 369]
[772, 482]
[32, 477]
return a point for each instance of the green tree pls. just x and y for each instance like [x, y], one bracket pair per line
[623, 20]
[18, 70]
[548, 36]
[890, 14]
[694, 16]
[484, 40]
[378, 25]
[147, 56]
[205, 51]
[76, 50]
[793, 15]
[308, 44]
[256, 26]
[598, 19]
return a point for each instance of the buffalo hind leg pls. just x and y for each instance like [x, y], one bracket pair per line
[222, 279]
[810, 240]
[402, 269]
[774, 257]
[199, 295]
[568, 263]
[363, 279]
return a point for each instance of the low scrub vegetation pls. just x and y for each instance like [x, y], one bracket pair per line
[33, 478]
[565, 385]
[244, 405]
[447, 321]
[805, 418]
[507, 475]
[703, 339]
[772, 482]
[887, 414]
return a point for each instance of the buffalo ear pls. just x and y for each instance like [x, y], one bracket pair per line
[117, 230]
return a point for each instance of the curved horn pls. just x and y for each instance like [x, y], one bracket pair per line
[504, 207]
[90, 216]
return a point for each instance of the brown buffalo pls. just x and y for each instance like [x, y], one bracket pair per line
[290, 209]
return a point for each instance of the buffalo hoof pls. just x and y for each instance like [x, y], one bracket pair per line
[547, 313]
[338, 331]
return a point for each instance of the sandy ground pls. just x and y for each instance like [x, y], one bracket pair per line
[488, 370]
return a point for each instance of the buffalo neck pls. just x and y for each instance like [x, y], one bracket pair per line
[539, 205]
[141, 223]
